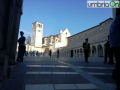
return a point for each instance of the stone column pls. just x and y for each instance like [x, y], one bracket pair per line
[82, 52]
[96, 53]
[14, 35]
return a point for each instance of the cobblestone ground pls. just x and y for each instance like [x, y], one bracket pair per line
[44, 73]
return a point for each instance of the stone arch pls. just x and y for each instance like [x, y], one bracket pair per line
[75, 53]
[100, 50]
[93, 51]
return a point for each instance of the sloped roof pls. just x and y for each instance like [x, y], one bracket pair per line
[92, 27]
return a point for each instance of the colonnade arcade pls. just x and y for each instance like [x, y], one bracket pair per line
[96, 50]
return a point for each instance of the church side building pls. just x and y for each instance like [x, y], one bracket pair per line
[97, 35]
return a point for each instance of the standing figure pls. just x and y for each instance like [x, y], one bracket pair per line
[86, 48]
[57, 53]
[37, 53]
[24, 50]
[21, 47]
[71, 53]
[114, 37]
[108, 51]
[50, 53]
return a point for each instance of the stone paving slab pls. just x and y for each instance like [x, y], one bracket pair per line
[58, 73]
[48, 65]
[45, 72]
[32, 72]
[71, 72]
[39, 81]
[39, 87]
[65, 86]
[86, 86]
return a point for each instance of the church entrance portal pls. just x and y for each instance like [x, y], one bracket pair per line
[47, 51]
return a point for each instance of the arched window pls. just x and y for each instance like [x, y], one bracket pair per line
[39, 25]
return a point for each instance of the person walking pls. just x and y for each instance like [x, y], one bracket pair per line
[57, 53]
[86, 48]
[21, 47]
[37, 53]
[114, 37]
[108, 51]
[50, 53]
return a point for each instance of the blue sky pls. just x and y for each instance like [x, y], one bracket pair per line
[58, 14]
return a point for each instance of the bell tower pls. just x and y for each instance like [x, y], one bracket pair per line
[37, 32]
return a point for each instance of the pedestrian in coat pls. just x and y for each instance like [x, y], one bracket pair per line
[21, 48]
[50, 53]
[57, 53]
[114, 37]
[86, 48]
[108, 51]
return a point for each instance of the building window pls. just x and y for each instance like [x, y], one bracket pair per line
[66, 32]
[41, 26]
[38, 30]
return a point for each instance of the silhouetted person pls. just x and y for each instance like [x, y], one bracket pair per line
[37, 53]
[86, 48]
[50, 53]
[114, 37]
[71, 53]
[21, 48]
[57, 53]
[24, 51]
[108, 51]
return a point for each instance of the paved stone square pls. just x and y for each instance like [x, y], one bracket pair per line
[44, 73]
